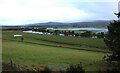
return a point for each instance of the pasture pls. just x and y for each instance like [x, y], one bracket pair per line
[49, 50]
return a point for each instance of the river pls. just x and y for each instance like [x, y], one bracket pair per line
[89, 28]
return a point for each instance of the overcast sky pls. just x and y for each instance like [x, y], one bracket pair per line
[19, 12]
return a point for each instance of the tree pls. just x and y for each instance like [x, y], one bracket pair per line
[56, 32]
[100, 35]
[86, 34]
[118, 14]
[77, 34]
[47, 31]
[112, 40]
[72, 33]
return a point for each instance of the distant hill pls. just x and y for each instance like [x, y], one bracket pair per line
[48, 23]
[100, 23]
[97, 24]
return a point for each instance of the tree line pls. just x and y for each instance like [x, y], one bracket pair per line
[85, 33]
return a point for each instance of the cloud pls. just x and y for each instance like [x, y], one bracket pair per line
[38, 10]
[30, 11]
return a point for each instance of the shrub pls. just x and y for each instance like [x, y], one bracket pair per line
[75, 69]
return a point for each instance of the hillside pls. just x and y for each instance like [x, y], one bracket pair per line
[100, 23]
[96, 24]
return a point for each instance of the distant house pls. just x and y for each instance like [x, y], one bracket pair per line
[94, 37]
[61, 35]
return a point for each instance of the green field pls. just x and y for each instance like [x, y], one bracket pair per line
[52, 40]
[50, 50]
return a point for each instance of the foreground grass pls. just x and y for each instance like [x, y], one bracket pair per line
[29, 54]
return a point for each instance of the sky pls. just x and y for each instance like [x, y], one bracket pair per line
[20, 12]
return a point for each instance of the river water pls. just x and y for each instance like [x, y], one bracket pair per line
[90, 28]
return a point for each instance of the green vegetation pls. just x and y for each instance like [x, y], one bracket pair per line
[50, 50]
[50, 39]
[112, 40]
[75, 69]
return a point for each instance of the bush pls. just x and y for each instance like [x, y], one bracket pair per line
[46, 70]
[75, 69]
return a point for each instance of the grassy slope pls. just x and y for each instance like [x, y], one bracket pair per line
[27, 54]
[65, 39]
[59, 41]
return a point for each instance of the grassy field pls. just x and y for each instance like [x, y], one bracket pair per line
[41, 50]
[74, 42]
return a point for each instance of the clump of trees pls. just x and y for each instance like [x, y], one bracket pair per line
[112, 40]
[100, 35]
[86, 34]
